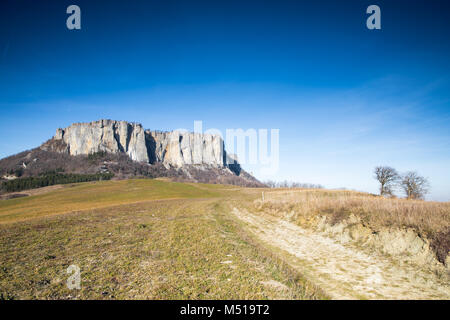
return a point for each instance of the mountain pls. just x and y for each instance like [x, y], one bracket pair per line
[173, 148]
[128, 150]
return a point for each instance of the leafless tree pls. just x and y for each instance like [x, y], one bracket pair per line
[387, 177]
[270, 183]
[415, 186]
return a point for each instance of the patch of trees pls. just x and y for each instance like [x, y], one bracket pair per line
[51, 178]
[95, 157]
[413, 185]
[16, 172]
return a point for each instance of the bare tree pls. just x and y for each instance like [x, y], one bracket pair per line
[415, 186]
[271, 184]
[387, 177]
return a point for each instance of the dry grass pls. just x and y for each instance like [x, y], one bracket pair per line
[424, 216]
[99, 194]
[152, 249]
[429, 219]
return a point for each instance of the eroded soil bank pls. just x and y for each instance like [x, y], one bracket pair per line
[349, 261]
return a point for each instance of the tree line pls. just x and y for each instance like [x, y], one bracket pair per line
[290, 184]
[51, 179]
[413, 185]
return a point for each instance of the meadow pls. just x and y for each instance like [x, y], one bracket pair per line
[138, 239]
[157, 239]
[98, 194]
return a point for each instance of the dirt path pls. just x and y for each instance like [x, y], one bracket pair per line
[344, 272]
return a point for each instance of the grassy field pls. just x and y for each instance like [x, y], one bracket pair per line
[154, 239]
[94, 195]
[138, 239]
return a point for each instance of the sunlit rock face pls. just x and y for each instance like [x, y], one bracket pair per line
[181, 148]
[105, 135]
[173, 148]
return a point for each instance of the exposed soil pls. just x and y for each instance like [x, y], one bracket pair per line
[345, 271]
[441, 244]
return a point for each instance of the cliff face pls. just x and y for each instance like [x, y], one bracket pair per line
[181, 148]
[105, 135]
[173, 148]
[130, 151]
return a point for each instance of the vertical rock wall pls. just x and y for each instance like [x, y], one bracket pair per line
[173, 148]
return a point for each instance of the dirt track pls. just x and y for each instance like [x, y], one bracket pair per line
[344, 272]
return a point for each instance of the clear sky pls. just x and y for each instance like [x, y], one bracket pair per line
[345, 98]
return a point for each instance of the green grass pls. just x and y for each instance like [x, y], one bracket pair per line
[137, 239]
[99, 194]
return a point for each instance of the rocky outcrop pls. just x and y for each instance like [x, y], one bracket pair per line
[173, 148]
[127, 150]
[104, 135]
[186, 148]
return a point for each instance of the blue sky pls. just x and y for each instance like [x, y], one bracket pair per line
[345, 98]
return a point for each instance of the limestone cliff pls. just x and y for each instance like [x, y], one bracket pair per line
[185, 148]
[105, 135]
[170, 148]
[127, 150]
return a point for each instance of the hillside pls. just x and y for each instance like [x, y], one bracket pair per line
[153, 239]
[126, 150]
[137, 239]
